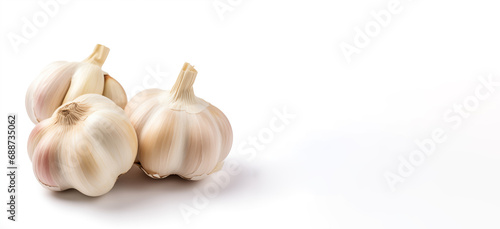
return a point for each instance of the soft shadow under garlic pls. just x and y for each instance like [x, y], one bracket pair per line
[131, 187]
[134, 190]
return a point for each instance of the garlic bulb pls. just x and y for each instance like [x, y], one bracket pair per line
[61, 82]
[85, 145]
[178, 132]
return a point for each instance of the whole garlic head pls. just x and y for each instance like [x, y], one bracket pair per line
[61, 82]
[178, 132]
[85, 145]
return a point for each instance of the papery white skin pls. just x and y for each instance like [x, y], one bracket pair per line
[178, 132]
[61, 82]
[85, 145]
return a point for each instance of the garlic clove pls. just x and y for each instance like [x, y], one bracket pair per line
[114, 91]
[148, 102]
[89, 77]
[47, 92]
[223, 125]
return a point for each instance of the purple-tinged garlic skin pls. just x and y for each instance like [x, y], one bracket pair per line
[61, 82]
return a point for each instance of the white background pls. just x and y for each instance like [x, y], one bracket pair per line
[353, 121]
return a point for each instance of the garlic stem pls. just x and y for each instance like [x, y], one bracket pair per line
[183, 87]
[71, 113]
[99, 55]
